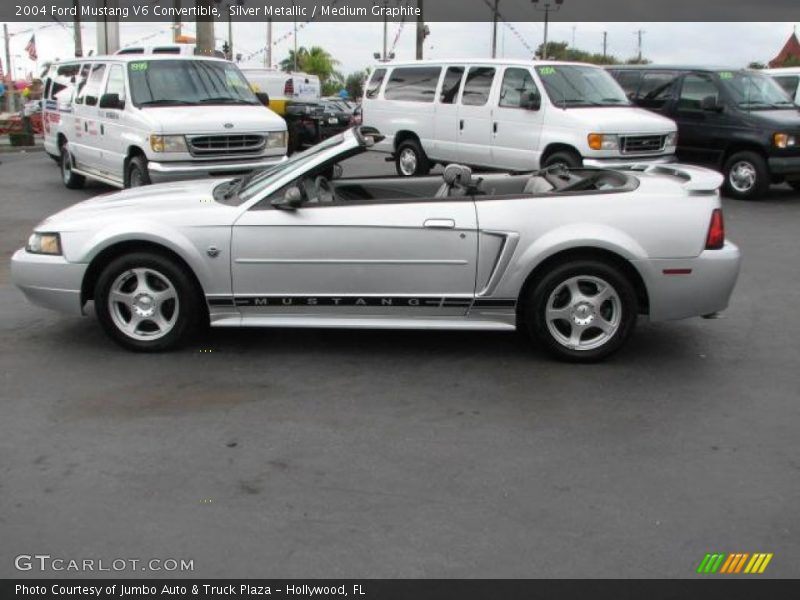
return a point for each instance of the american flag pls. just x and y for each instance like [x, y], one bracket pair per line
[30, 48]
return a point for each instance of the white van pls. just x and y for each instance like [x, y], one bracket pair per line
[789, 80]
[510, 115]
[130, 120]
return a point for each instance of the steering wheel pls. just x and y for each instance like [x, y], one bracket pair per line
[324, 190]
[557, 176]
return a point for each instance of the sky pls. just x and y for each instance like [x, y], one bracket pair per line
[723, 44]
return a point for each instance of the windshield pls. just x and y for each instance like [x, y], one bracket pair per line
[754, 90]
[576, 85]
[256, 182]
[187, 83]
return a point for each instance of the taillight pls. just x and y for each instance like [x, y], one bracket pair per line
[288, 88]
[716, 231]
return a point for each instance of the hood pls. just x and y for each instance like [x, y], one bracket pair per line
[782, 118]
[185, 202]
[218, 119]
[618, 119]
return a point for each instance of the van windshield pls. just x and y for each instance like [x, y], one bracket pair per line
[187, 83]
[754, 91]
[576, 85]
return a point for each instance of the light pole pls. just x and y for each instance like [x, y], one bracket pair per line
[547, 6]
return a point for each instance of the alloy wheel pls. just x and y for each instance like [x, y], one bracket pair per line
[143, 304]
[583, 313]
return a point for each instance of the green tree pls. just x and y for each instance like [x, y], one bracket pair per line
[354, 84]
[314, 61]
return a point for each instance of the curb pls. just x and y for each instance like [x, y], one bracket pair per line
[4, 149]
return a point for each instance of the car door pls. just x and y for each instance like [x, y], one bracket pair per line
[702, 134]
[475, 117]
[113, 123]
[518, 121]
[446, 123]
[356, 258]
[86, 145]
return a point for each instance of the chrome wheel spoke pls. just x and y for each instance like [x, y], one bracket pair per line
[575, 336]
[605, 294]
[574, 290]
[121, 298]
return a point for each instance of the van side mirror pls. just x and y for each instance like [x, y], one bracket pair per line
[531, 101]
[292, 199]
[338, 171]
[111, 101]
[710, 104]
[263, 97]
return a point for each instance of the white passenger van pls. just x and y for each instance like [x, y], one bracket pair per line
[510, 115]
[130, 120]
[789, 80]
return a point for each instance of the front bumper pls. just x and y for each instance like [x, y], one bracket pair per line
[172, 171]
[619, 162]
[784, 165]
[49, 281]
[694, 287]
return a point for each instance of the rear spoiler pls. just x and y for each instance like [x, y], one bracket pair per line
[696, 180]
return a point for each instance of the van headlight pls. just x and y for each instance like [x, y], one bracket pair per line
[603, 141]
[784, 140]
[168, 143]
[276, 139]
[44, 243]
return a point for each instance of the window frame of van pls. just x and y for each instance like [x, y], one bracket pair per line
[502, 82]
[95, 66]
[494, 68]
[424, 99]
[378, 90]
[81, 80]
[110, 67]
[443, 77]
[711, 77]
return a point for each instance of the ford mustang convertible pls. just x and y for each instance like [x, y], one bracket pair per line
[572, 257]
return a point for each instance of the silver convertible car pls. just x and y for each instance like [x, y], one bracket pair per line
[570, 256]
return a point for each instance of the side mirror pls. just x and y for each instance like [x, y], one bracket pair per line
[710, 104]
[263, 97]
[111, 101]
[531, 101]
[292, 199]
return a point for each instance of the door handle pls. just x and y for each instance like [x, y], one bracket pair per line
[102, 130]
[461, 124]
[440, 224]
[85, 126]
[494, 127]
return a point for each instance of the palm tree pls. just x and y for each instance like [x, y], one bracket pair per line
[315, 61]
[288, 63]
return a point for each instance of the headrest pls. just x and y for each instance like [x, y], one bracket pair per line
[457, 175]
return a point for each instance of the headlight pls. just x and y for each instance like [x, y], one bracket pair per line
[672, 139]
[784, 140]
[276, 139]
[603, 141]
[168, 143]
[44, 243]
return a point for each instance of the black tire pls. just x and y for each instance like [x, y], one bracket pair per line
[137, 174]
[187, 319]
[738, 170]
[71, 179]
[794, 184]
[619, 313]
[565, 157]
[410, 159]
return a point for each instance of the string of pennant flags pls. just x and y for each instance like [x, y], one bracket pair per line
[513, 29]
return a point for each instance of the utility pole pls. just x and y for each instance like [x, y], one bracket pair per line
[640, 33]
[268, 52]
[385, 32]
[495, 19]
[176, 25]
[9, 71]
[605, 44]
[230, 34]
[205, 29]
[548, 5]
[76, 29]
[422, 30]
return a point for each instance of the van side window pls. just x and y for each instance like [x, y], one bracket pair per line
[477, 87]
[413, 84]
[90, 93]
[695, 89]
[628, 81]
[81, 83]
[374, 85]
[517, 89]
[657, 88]
[451, 85]
[116, 82]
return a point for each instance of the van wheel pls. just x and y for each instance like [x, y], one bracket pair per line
[566, 159]
[746, 176]
[71, 179]
[147, 303]
[137, 174]
[582, 311]
[411, 160]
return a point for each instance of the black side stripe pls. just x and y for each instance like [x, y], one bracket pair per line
[494, 303]
[387, 301]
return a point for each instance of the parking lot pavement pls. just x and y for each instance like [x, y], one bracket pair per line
[414, 454]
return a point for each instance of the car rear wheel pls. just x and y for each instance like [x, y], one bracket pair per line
[137, 174]
[71, 179]
[411, 160]
[147, 303]
[746, 176]
[582, 311]
[569, 160]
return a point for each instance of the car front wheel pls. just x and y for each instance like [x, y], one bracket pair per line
[147, 303]
[582, 311]
[746, 176]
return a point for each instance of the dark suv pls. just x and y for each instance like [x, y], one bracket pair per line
[738, 121]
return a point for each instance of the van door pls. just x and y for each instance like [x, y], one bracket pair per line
[475, 117]
[86, 148]
[446, 129]
[702, 134]
[113, 123]
[518, 120]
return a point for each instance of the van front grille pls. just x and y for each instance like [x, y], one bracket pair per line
[643, 143]
[226, 145]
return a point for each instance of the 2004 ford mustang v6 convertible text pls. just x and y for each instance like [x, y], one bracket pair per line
[573, 256]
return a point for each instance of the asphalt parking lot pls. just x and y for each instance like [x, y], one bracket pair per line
[301, 453]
